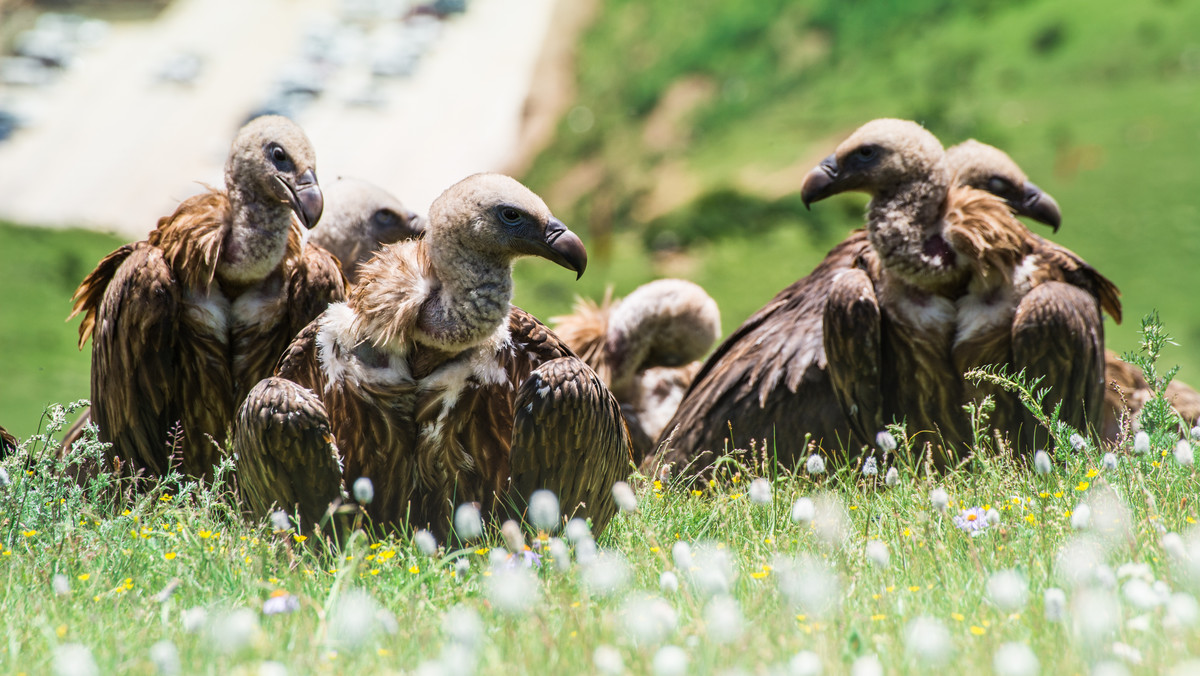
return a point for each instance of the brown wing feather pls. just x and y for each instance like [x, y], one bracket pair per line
[852, 341]
[8, 443]
[585, 330]
[1059, 263]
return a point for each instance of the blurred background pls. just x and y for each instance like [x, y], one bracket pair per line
[672, 135]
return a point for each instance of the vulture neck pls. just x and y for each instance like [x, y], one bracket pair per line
[905, 227]
[471, 297]
[255, 241]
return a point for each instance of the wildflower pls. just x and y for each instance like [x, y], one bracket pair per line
[808, 583]
[1141, 443]
[29, 533]
[1109, 462]
[992, 517]
[514, 539]
[1082, 486]
[364, 490]
[877, 552]
[279, 520]
[712, 570]
[805, 663]
[353, 620]
[1173, 544]
[867, 665]
[668, 582]
[803, 511]
[670, 660]
[928, 640]
[648, 620]
[624, 497]
[73, 659]
[815, 464]
[5, 482]
[60, 584]
[463, 626]
[607, 574]
[940, 499]
[607, 661]
[760, 491]
[280, 602]
[1081, 518]
[461, 567]
[1078, 442]
[681, 554]
[560, 554]
[1182, 611]
[165, 657]
[1139, 594]
[578, 530]
[234, 630]
[1008, 590]
[1041, 462]
[1127, 652]
[1183, 453]
[1015, 659]
[193, 619]
[426, 543]
[1054, 601]
[1196, 432]
[885, 441]
[272, 668]
[973, 520]
[723, 620]
[543, 510]
[892, 477]
[870, 468]
[467, 522]
[1097, 615]
[295, 536]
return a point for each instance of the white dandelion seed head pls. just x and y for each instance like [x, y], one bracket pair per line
[1054, 603]
[74, 659]
[867, 665]
[1109, 668]
[1173, 545]
[193, 619]
[885, 441]
[1196, 433]
[624, 497]
[1008, 590]
[585, 552]
[1184, 454]
[1127, 652]
[1096, 615]
[712, 571]
[513, 590]
[648, 620]
[1111, 519]
[1140, 594]
[463, 626]
[803, 511]
[808, 583]
[815, 465]
[457, 660]
[992, 517]
[670, 660]
[560, 554]
[1077, 560]
[467, 522]
[462, 567]
[940, 499]
[1183, 612]
[760, 491]
[578, 530]
[165, 658]
[831, 520]
[805, 663]
[668, 582]
[877, 553]
[681, 554]
[870, 467]
[607, 574]
[272, 668]
[497, 558]
[425, 542]
[60, 584]
[1081, 517]
[543, 510]
[352, 620]
[1078, 442]
[1041, 462]
[1015, 659]
[5, 482]
[723, 620]
[234, 630]
[892, 477]
[430, 668]
[1104, 578]
[280, 520]
[608, 661]
[1109, 461]
[514, 538]
[928, 640]
[1141, 443]
[364, 490]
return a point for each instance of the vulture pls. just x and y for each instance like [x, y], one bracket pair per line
[988, 168]
[184, 323]
[8, 443]
[942, 279]
[646, 347]
[359, 218]
[428, 382]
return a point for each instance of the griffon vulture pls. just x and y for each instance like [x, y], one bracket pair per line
[646, 348]
[8, 443]
[428, 382]
[359, 218]
[185, 322]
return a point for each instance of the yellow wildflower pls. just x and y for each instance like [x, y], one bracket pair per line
[1083, 486]
[85, 577]
[957, 617]
[169, 556]
[977, 630]
[29, 533]
[414, 569]
[297, 537]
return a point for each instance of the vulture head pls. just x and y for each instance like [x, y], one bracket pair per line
[985, 167]
[359, 219]
[493, 219]
[272, 166]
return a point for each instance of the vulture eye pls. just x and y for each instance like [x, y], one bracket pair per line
[385, 218]
[865, 152]
[279, 157]
[999, 186]
[510, 216]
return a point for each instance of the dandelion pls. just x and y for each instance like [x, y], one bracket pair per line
[1097, 615]
[1015, 659]
[1008, 590]
[892, 477]
[543, 510]
[193, 619]
[1109, 668]
[165, 657]
[1173, 545]
[1078, 442]
[723, 620]
[425, 542]
[1109, 462]
[992, 517]
[885, 441]
[578, 530]
[878, 554]
[1182, 611]
[712, 570]
[5, 482]
[805, 663]
[624, 497]
[867, 665]
[514, 539]
[760, 491]
[648, 620]
[972, 520]
[803, 511]
[1183, 453]
[60, 584]
[1141, 443]
[1054, 602]
[467, 522]
[940, 499]
[1196, 433]
[279, 520]
[668, 582]
[463, 627]
[560, 554]
[815, 464]
[73, 659]
[808, 583]
[1139, 594]
[607, 661]
[364, 490]
[1081, 517]
[670, 660]
[234, 630]
[870, 467]
[928, 640]
[585, 551]
[681, 554]
[461, 568]
[607, 574]
[1041, 462]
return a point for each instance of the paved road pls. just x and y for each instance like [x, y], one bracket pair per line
[113, 150]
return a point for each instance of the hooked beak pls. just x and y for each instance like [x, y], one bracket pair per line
[1039, 206]
[564, 247]
[304, 197]
[820, 182]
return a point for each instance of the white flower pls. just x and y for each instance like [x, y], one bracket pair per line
[760, 491]
[1182, 611]
[607, 660]
[670, 660]
[870, 467]
[73, 659]
[543, 510]
[607, 574]
[815, 464]
[1141, 443]
[1096, 615]
[1109, 461]
[364, 490]
[992, 517]
[648, 620]
[712, 570]
[513, 590]
[60, 584]
[1109, 668]
[1139, 594]
[5, 482]
[560, 555]
[1015, 659]
[668, 582]
[940, 499]
[514, 539]
[1183, 453]
[1078, 442]
[877, 552]
[426, 543]
[1127, 652]
[352, 621]
[928, 640]
[193, 619]
[892, 477]
[234, 630]
[1041, 462]
[165, 657]
[808, 583]
[1081, 518]
[1055, 602]
[867, 665]
[803, 511]
[279, 520]
[885, 441]
[463, 626]
[1173, 544]
[624, 497]
[805, 663]
[723, 620]
[467, 522]
[1196, 432]
[585, 551]
[1008, 590]
[461, 567]
[681, 554]
[578, 530]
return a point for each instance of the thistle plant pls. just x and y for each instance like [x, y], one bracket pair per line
[1157, 418]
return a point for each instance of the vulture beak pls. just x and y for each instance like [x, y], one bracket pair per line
[304, 197]
[820, 182]
[1039, 206]
[564, 247]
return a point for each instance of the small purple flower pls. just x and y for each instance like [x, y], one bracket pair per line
[972, 520]
[527, 558]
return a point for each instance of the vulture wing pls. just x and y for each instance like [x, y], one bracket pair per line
[8, 443]
[853, 346]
